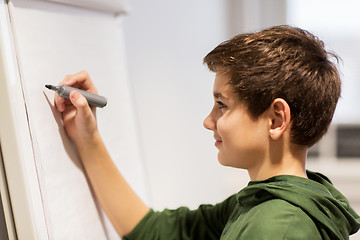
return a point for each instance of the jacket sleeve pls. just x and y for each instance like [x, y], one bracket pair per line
[206, 222]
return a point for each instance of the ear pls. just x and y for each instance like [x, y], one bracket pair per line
[279, 118]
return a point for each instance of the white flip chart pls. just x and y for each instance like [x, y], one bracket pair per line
[43, 42]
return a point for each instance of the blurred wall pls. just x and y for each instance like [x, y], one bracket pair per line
[253, 15]
[166, 41]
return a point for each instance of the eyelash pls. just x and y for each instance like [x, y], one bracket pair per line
[221, 105]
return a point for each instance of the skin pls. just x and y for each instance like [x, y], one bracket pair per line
[262, 145]
[121, 204]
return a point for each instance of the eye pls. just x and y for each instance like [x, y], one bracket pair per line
[220, 104]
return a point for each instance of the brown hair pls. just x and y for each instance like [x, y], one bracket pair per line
[283, 62]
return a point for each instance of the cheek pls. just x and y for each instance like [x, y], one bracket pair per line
[226, 128]
[242, 139]
[233, 134]
[233, 126]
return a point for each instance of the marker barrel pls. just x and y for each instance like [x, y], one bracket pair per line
[93, 99]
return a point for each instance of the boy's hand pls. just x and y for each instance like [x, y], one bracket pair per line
[124, 208]
[78, 117]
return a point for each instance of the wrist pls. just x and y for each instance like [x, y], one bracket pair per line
[90, 142]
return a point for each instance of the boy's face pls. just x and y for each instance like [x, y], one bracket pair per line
[242, 140]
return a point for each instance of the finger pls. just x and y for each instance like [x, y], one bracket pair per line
[81, 104]
[59, 102]
[80, 80]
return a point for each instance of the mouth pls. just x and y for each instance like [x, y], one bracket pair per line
[218, 142]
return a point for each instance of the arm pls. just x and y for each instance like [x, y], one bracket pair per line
[121, 204]
[206, 222]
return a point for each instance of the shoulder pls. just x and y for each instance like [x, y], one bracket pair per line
[279, 219]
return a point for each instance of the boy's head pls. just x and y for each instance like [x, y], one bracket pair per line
[282, 62]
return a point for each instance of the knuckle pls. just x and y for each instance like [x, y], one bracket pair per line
[84, 73]
[67, 80]
[67, 77]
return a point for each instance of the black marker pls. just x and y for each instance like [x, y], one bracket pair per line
[93, 99]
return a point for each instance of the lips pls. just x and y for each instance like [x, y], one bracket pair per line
[217, 142]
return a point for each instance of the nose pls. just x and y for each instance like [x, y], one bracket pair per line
[209, 122]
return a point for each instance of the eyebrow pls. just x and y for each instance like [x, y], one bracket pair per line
[219, 95]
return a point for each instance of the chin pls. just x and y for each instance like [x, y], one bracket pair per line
[223, 161]
[231, 162]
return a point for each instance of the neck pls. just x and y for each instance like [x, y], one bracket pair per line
[281, 162]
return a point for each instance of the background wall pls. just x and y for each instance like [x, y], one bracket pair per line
[336, 27]
[166, 41]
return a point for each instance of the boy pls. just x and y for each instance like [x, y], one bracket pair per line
[275, 94]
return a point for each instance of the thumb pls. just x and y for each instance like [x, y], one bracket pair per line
[81, 104]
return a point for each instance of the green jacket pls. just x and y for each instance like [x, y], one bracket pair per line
[281, 207]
